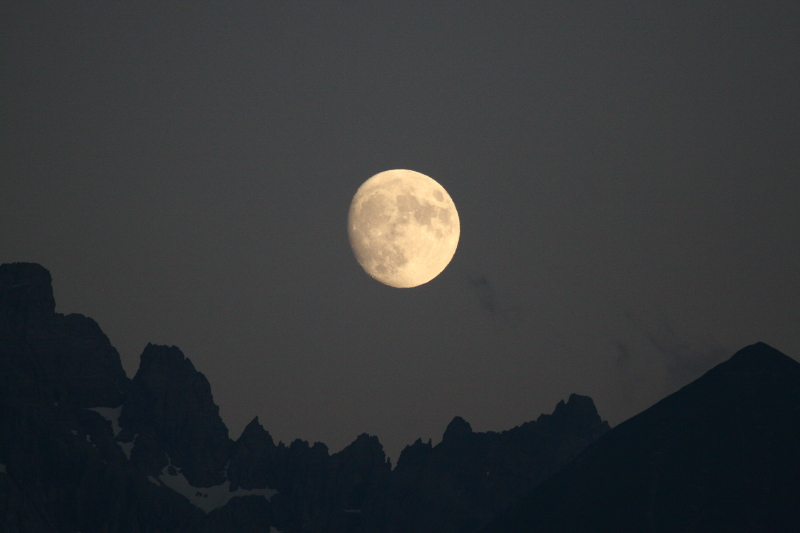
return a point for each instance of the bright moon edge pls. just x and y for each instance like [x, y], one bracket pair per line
[403, 228]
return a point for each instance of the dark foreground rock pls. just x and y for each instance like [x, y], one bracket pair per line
[721, 454]
[85, 449]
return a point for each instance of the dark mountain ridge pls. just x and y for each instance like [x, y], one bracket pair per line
[721, 454]
[85, 448]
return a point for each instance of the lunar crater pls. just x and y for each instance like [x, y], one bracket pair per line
[403, 228]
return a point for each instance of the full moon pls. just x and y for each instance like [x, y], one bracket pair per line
[403, 228]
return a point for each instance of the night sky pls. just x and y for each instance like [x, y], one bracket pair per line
[627, 175]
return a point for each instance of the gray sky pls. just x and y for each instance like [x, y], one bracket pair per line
[627, 176]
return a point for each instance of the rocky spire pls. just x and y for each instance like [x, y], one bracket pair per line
[457, 429]
[170, 397]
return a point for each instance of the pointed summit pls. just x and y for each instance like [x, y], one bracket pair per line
[254, 430]
[758, 358]
[457, 429]
[252, 463]
[169, 396]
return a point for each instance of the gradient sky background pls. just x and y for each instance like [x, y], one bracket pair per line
[627, 176]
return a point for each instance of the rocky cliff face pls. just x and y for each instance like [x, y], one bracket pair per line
[62, 468]
[172, 401]
[86, 449]
[49, 357]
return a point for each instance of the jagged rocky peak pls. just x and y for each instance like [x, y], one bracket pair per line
[358, 470]
[366, 451]
[578, 412]
[253, 459]
[461, 483]
[68, 357]
[414, 453]
[456, 430]
[169, 396]
[254, 431]
[151, 460]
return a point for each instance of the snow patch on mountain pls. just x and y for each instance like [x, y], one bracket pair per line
[205, 498]
[112, 415]
[127, 447]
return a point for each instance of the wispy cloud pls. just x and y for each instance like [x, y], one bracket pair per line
[505, 313]
[657, 347]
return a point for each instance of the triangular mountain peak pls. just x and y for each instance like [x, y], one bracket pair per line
[457, 429]
[718, 455]
[761, 356]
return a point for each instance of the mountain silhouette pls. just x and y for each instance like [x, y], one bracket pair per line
[720, 454]
[83, 448]
[460, 484]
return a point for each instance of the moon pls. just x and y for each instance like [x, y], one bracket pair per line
[403, 228]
